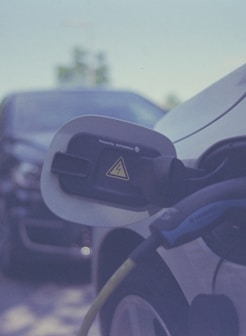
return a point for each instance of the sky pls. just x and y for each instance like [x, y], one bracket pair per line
[153, 47]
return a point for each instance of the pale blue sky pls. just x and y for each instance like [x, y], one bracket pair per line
[153, 47]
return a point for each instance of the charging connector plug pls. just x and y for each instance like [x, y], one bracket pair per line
[199, 213]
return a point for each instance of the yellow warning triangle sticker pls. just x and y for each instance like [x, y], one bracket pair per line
[118, 170]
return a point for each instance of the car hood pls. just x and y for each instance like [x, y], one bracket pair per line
[215, 114]
[31, 147]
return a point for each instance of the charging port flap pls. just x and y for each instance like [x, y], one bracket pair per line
[95, 167]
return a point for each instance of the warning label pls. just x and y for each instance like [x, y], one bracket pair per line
[118, 170]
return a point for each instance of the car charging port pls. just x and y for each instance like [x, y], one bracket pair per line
[228, 238]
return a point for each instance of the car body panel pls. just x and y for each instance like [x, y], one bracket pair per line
[217, 113]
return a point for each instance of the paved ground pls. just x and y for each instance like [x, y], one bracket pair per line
[44, 304]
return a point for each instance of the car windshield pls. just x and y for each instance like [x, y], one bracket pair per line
[50, 110]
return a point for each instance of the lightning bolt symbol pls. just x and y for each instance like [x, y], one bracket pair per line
[118, 168]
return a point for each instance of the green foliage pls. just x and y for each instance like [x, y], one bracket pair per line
[101, 72]
[84, 70]
[171, 101]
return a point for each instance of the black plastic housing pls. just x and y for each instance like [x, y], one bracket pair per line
[98, 168]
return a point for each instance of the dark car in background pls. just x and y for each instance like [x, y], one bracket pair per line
[29, 232]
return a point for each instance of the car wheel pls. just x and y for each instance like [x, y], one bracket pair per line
[148, 303]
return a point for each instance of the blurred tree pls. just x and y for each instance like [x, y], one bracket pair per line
[85, 69]
[101, 69]
[80, 63]
[64, 74]
[171, 101]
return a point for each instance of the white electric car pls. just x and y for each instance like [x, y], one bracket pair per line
[161, 290]
[125, 177]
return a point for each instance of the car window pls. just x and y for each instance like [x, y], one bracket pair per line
[50, 110]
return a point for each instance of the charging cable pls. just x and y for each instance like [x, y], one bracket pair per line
[134, 258]
[187, 220]
[105, 292]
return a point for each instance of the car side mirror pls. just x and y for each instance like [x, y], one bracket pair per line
[96, 169]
